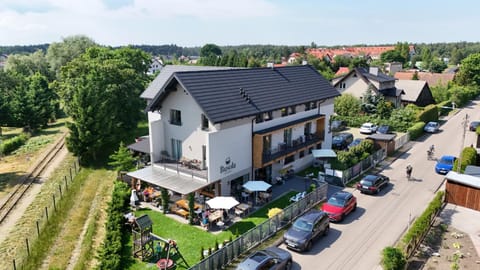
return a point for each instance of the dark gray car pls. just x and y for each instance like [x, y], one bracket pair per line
[273, 258]
[306, 229]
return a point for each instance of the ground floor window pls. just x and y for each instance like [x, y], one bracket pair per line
[289, 159]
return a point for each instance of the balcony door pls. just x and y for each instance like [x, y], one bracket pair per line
[176, 149]
[287, 136]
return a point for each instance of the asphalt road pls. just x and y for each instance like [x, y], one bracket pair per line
[380, 220]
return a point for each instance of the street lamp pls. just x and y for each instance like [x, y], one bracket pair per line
[464, 128]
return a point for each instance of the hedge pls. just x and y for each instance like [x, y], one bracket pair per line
[468, 157]
[416, 130]
[12, 144]
[422, 223]
[429, 113]
[441, 105]
[393, 259]
[115, 238]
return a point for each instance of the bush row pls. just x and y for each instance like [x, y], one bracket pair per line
[346, 159]
[416, 130]
[429, 113]
[12, 144]
[468, 157]
[422, 224]
[115, 238]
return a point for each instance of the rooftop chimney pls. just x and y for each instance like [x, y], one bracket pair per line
[270, 65]
[304, 62]
[373, 70]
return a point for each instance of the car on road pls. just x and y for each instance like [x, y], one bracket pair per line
[445, 164]
[306, 229]
[473, 125]
[373, 183]
[384, 129]
[355, 142]
[342, 140]
[338, 125]
[368, 128]
[270, 258]
[339, 205]
[431, 127]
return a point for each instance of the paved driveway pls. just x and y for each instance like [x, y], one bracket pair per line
[380, 220]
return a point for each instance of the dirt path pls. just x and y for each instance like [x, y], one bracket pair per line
[9, 223]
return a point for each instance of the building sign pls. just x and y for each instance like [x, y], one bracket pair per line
[229, 165]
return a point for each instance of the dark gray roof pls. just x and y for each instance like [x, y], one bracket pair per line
[380, 77]
[144, 222]
[156, 85]
[142, 146]
[382, 137]
[219, 92]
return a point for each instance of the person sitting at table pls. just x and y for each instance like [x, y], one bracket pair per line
[204, 223]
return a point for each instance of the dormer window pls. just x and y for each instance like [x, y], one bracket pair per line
[267, 116]
[292, 110]
[204, 122]
[175, 117]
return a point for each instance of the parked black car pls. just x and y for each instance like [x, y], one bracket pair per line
[338, 125]
[306, 229]
[372, 183]
[473, 125]
[342, 140]
[270, 258]
[355, 142]
[384, 129]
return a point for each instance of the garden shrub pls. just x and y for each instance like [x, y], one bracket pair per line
[441, 107]
[416, 130]
[12, 144]
[468, 157]
[429, 113]
[393, 259]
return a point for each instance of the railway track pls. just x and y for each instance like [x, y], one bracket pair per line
[28, 179]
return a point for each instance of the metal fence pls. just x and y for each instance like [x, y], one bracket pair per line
[341, 178]
[49, 209]
[260, 233]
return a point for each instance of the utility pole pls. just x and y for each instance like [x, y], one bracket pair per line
[464, 128]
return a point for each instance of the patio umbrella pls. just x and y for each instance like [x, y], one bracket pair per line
[256, 185]
[222, 202]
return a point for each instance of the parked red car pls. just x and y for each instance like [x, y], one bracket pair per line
[339, 205]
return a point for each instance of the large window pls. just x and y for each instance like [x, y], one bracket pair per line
[267, 116]
[175, 117]
[267, 143]
[204, 122]
[289, 159]
[308, 128]
[284, 111]
[292, 110]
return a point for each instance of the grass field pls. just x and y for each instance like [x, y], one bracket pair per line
[192, 240]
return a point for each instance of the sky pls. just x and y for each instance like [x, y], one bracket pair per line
[189, 23]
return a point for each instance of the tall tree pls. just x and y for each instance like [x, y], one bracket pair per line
[28, 64]
[209, 50]
[469, 73]
[33, 103]
[60, 53]
[100, 90]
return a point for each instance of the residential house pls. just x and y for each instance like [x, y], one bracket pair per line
[368, 52]
[415, 92]
[342, 71]
[393, 67]
[213, 130]
[358, 80]
[155, 66]
[433, 79]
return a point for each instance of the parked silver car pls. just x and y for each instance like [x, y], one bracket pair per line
[273, 258]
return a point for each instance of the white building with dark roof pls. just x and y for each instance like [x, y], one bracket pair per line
[212, 130]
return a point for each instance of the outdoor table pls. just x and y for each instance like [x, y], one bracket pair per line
[243, 207]
[184, 204]
[215, 216]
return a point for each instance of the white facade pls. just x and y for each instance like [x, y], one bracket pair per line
[225, 149]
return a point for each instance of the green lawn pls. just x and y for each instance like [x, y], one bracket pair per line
[191, 239]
